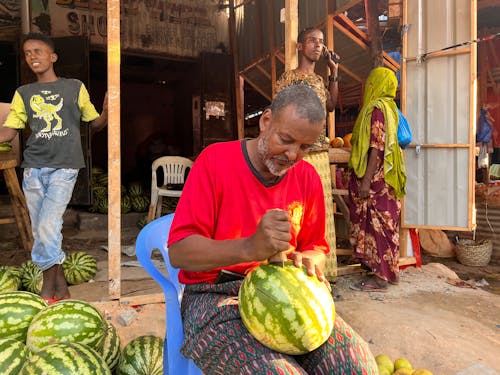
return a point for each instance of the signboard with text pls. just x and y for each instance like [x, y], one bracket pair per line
[180, 28]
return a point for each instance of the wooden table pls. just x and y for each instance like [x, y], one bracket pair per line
[18, 202]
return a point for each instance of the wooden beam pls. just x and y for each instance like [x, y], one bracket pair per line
[255, 63]
[263, 71]
[350, 73]
[270, 25]
[347, 6]
[257, 88]
[237, 92]
[373, 32]
[143, 299]
[258, 27]
[280, 57]
[114, 157]
[330, 119]
[291, 32]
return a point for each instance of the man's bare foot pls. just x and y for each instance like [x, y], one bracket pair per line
[62, 291]
[49, 283]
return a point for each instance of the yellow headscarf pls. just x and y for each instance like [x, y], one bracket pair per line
[380, 91]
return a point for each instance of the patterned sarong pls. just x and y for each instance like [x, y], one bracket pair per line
[219, 343]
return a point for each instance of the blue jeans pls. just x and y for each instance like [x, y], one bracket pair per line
[47, 192]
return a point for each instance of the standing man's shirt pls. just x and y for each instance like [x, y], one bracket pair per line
[54, 122]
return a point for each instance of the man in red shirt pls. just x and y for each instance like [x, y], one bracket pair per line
[244, 202]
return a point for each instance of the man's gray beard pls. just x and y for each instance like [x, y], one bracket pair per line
[263, 152]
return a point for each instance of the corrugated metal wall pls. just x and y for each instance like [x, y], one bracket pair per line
[488, 227]
[438, 98]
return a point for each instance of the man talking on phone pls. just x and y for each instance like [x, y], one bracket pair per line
[311, 47]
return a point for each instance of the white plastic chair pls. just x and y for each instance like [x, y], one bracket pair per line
[174, 172]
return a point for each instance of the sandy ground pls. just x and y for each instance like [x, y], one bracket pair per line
[434, 324]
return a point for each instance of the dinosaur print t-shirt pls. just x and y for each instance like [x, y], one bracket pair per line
[53, 112]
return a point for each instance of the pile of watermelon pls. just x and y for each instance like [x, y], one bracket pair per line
[133, 198]
[66, 338]
[79, 267]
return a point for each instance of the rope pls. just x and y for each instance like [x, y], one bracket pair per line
[423, 56]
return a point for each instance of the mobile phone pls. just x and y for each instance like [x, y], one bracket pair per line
[225, 276]
[332, 55]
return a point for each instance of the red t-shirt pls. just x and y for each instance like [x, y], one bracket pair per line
[224, 198]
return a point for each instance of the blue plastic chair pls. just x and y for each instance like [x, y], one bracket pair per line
[155, 236]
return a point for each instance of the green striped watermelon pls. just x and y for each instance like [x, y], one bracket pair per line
[135, 189]
[17, 309]
[286, 309]
[31, 277]
[110, 351]
[140, 203]
[67, 321]
[125, 204]
[142, 356]
[65, 358]
[8, 281]
[79, 267]
[13, 354]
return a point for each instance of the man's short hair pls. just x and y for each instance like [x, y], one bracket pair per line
[41, 37]
[302, 35]
[305, 100]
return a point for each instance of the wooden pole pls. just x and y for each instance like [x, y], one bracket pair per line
[114, 161]
[234, 50]
[270, 24]
[291, 32]
[373, 32]
[330, 121]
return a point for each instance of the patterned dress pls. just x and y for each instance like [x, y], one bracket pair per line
[375, 220]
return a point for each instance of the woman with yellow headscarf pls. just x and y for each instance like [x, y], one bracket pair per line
[377, 182]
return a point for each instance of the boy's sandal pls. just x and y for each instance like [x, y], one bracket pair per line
[368, 286]
[50, 300]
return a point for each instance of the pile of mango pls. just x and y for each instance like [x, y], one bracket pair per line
[400, 366]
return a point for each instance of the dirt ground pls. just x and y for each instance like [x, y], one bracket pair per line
[435, 324]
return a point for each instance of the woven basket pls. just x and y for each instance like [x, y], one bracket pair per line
[474, 253]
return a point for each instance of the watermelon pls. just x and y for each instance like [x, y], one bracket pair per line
[67, 321]
[13, 354]
[17, 309]
[79, 267]
[8, 281]
[102, 205]
[100, 191]
[65, 358]
[140, 203]
[142, 356]
[286, 309]
[31, 277]
[135, 189]
[125, 204]
[110, 351]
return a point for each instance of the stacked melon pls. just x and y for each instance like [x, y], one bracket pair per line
[66, 338]
[26, 277]
[286, 309]
[132, 199]
[79, 267]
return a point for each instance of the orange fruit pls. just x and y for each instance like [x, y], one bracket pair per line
[337, 142]
[347, 140]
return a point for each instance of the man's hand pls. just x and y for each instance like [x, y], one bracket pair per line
[272, 235]
[314, 261]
